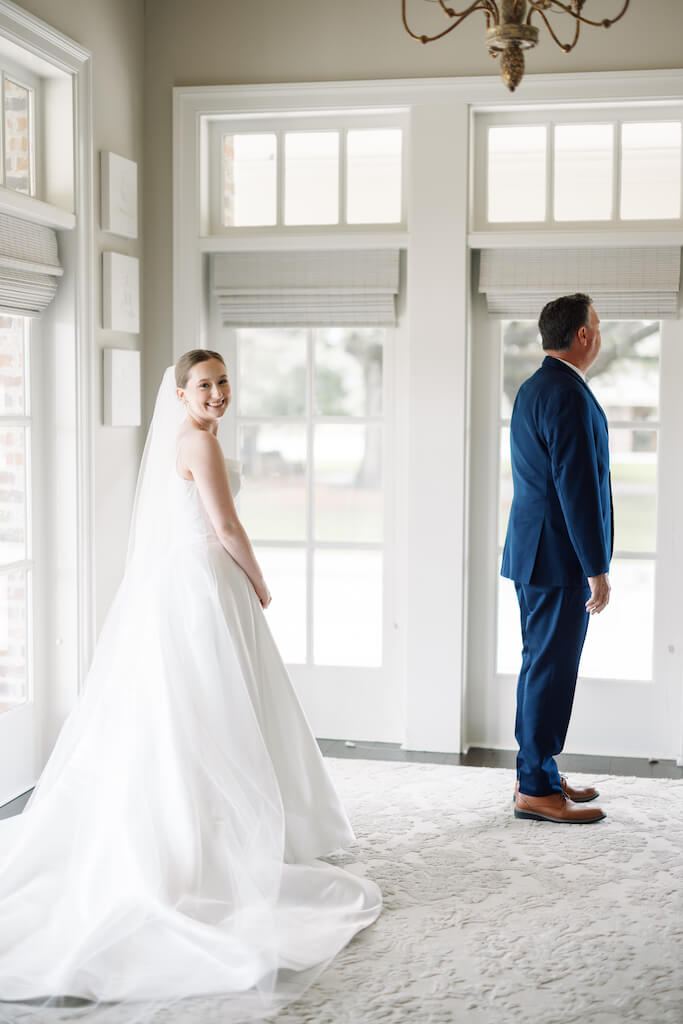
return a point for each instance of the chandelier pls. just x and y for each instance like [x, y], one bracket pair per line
[509, 30]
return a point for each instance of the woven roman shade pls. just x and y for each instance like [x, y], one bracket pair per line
[625, 284]
[298, 289]
[29, 266]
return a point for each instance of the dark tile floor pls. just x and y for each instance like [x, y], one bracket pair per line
[482, 757]
[476, 757]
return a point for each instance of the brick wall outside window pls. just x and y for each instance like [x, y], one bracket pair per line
[17, 137]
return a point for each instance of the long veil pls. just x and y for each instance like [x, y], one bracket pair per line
[148, 868]
[149, 522]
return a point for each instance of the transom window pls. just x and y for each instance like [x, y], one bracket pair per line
[326, 172]
[581, 166]
[310, 426]
[625, 380]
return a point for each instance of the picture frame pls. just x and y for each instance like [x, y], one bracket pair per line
[119, 195]
[122, 405]
[120, 293]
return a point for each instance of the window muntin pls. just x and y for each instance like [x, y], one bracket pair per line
[625, 380]
[313, 496]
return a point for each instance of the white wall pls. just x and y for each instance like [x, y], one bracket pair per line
[113, 30]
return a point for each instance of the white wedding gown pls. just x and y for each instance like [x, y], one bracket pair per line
[169, 849]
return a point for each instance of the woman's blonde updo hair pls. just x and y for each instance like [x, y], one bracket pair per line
[190, 359]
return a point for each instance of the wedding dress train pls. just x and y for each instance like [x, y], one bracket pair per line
[170, 848]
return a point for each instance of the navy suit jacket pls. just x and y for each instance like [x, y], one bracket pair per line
[560, 528]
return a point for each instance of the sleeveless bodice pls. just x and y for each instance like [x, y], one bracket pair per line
[191, 523]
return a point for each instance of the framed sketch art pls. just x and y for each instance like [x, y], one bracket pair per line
[119, 195]
[121, 380]
[120, 293]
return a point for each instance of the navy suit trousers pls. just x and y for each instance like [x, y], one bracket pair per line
[554, 623]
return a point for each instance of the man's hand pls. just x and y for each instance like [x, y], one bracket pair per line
[600, 591]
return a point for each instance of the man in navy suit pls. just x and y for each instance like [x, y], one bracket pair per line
[557, 550]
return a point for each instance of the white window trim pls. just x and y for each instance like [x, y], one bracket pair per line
[48, 45]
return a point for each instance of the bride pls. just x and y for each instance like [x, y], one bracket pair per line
[170, 848]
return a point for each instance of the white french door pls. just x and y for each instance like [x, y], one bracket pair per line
[628, 700]
[311, 422]
[19, 723]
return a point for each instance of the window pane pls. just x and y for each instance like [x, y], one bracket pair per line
[625, 376]
[583, 171]
[348, 608]
[272, 377]
[522, 356]
[348, 482]
[619, 640]
[12, 399]
[651, 170]
[312, 178]
[272, 498]
[13, 639]
[348, 371]
[516, 173]
[17, 137]
[249, 180]
[12, 494]
[505, 488]
[285, 574]
[509, 653]
[633, 461]
[373, 176]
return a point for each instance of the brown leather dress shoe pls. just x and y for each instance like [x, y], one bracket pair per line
[577, 794]
[555, 807]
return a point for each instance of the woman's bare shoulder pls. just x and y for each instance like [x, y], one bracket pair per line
[196, 449]
[197, 440]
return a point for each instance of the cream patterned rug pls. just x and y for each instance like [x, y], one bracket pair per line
[491, 920]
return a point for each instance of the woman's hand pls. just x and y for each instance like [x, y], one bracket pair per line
[262, 593]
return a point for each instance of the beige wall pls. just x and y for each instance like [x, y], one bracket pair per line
[113, 30]
[219, 42]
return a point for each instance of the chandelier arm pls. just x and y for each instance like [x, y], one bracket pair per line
[483, 5]
[605, 23]
[565, 47]
[478, 5]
